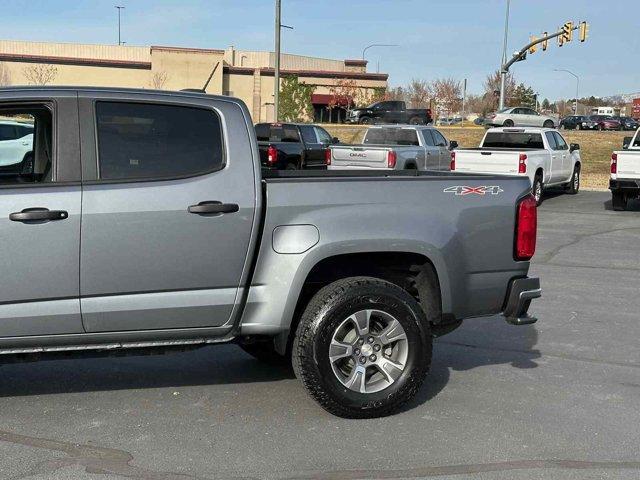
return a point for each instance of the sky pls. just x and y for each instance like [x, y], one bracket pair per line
[436, 38]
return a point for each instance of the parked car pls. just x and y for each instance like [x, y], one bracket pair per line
[394, 148]
[389, 111]
[159, 231]
[542, 155]
[578, 122]
[625, 172]
[449, 121]
[292, 146]
[628, 123]
[604, 122]
[16, 146]
[519, 117]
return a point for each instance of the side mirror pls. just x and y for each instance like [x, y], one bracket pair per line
[574, 146]
[626, 142]
[453, 145]
[335, 140]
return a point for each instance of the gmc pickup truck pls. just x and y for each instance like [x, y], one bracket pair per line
[625, 172]
[146, 224]
[540, 154]
[394, 148]
[389, 111]
[292, 146]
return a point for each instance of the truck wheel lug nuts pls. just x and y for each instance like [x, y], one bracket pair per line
[356, 351]
[363, 359]
[370, 339]
[376, 347]
[373, 358]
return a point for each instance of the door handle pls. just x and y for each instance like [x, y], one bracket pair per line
[37, 215]
[213, 208]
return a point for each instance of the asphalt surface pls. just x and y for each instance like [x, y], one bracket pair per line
[559, 399]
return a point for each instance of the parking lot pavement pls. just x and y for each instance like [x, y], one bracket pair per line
[558, 399]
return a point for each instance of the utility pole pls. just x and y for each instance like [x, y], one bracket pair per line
[464, 98]
[120, 8]
[276, 86]
[503, 74]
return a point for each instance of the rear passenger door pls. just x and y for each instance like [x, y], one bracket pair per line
[443, 150]
[40, 197]
[313, 149]
[168, 207]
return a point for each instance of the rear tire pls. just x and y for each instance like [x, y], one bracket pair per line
[619, 200]
[537, 189]
[548, 124]
[415, 121]
[578, 127]
[362, 348]
[365, 121]
[291, 166]
[574, 184]
[508, 123]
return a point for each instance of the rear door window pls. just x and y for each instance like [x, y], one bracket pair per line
[308, 134]
[147, 141]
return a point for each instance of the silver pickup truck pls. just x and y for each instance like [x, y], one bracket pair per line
[144, 224]
[394, 147]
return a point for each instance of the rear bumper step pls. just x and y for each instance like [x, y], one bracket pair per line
[630, 184]
[521, 292]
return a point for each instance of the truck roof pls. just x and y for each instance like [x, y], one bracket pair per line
[195, 93]
[403, 126]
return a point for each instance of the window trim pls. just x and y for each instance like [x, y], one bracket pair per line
[102, 181]
[48, 104]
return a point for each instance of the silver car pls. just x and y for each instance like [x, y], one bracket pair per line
[520, 117]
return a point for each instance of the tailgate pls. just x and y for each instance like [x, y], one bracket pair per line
[489, 161]
[359, 157]
[628, 164]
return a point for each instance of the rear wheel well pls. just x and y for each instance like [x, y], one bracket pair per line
[539, 173]
[410, 271]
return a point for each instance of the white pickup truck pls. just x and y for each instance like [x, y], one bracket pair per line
[625, 172]
[394, 147]
[542, 154]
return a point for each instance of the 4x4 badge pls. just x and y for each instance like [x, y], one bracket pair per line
[481, 190]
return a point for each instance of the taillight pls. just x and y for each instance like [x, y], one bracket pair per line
[272, 155]
[526, 228]
[391, 159]
[327, 156]
[491, 116]
[522, 163]
[614, 163]
[452, 165]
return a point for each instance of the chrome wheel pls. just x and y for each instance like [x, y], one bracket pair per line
[576, 180]
[537, 190]
[368, 351]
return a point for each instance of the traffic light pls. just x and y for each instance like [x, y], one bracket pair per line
[533, 48]
[561, 37]
[567, 31]
[584, 31]
[545, 43]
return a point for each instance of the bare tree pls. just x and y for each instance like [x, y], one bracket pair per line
[419, 94]
[492, 85]
[40, 74]
[159, 79]
[5, 75]
[448, 94]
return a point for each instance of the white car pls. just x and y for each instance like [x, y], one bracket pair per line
[520, 117]
[625, 172]
[16, 142]
[542, 154]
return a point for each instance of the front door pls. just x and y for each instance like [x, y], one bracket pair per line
[40, 219]
[167, 223]
[443, 150]
[567, 160]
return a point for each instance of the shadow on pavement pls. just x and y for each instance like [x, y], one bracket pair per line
[632, 206]
[221, 364]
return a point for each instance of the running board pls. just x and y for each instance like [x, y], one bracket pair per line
[106, 349]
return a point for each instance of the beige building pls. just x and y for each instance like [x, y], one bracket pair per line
[248, 75]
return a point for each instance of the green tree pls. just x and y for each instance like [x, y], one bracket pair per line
[523, 96]
[295, 100]
[546, 104]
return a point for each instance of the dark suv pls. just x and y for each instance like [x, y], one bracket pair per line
[628, 123]
[577, 122]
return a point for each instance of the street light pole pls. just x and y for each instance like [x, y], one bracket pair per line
[503, 74]
[575, 104]
[377, 45]
[120, 8]
[276, 86]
